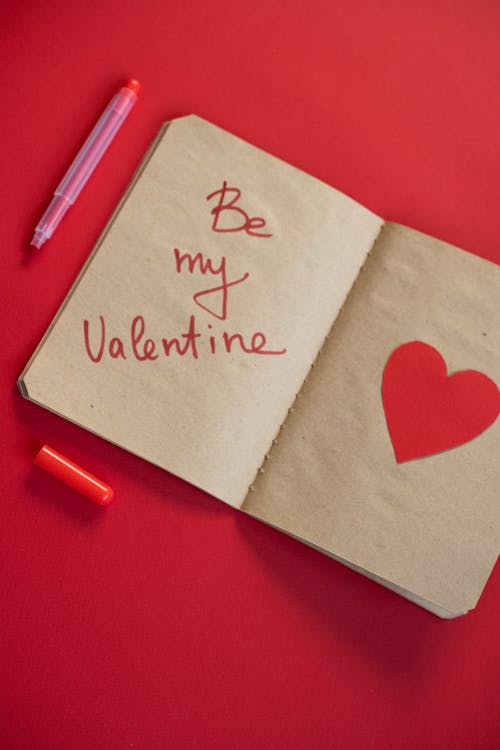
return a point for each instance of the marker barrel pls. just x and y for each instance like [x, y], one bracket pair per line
[86, 161]
[96, 144]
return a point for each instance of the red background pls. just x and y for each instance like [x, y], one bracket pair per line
[169, 620]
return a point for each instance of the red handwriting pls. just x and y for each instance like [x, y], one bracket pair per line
[258, 342]
[136, 334]
[189, 344]
[204, 266]
[233, 213]
[145, 349]
[116, 347]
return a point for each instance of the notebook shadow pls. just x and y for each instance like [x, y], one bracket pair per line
[397, 635]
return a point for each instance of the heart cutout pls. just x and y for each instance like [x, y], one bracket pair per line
[428, 411]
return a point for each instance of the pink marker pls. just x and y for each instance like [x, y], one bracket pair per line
[86, 160]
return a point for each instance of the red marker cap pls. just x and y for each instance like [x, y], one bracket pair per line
[133, 84]
[73, 475]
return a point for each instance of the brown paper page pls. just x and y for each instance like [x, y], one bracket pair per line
[199, 314]
[430, 526]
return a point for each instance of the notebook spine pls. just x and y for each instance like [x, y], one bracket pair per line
[268, 458]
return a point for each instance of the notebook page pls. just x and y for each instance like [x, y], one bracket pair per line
[197, 319]
[429, 524]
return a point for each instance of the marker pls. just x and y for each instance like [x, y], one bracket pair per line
[73, 475]
[86, 160]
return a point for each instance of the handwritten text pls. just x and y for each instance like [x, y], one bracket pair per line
[227, 209]
[204, 266]
[141, 348]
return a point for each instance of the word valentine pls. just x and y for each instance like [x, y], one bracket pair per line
[191, 343]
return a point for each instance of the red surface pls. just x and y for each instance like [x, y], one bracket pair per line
[429, 411]
[169, 620]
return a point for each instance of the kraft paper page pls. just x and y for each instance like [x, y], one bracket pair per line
[431, 525]
[195, 322]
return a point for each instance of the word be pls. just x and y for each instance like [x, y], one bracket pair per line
[145, 349]
[232, 213]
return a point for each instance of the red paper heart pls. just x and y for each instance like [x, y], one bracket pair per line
[428, 411]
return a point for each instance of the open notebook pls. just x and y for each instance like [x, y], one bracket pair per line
[266, 338]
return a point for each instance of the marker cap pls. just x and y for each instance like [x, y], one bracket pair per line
[133, 84]
[73, 475]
